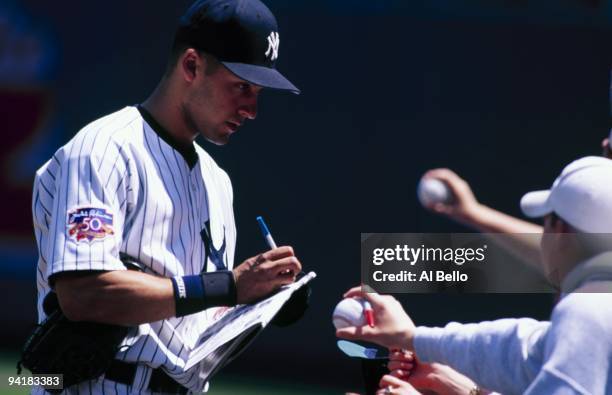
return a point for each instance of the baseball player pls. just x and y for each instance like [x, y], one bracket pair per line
[133, 186]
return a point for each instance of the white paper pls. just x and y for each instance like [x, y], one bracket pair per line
[240, 318]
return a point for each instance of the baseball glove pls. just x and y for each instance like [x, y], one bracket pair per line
[81, 351]
[295, 308]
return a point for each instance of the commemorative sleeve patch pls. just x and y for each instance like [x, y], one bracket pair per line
[89, 223]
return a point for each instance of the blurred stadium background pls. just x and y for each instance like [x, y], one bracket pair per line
[503, 91]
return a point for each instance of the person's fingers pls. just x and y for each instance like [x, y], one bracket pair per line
[377, 300]
[435, 172]
[286, 265]
[354, 292]
[452, 180]
[442, 174]
[287, 276]
[440, 208]
[388, 380]
[400, 374]
[359, 292]
[394, 365]
[280, 276]
[401, 355]
[276, 267]
[280, 280]
[355, 333]
[278, 253]
[436, 207]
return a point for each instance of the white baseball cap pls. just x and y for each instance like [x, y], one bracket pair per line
[581, 196]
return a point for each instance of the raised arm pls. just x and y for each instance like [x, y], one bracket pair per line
[521, 237]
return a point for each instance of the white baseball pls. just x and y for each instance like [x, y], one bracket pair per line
[349, 312]
[432, 190]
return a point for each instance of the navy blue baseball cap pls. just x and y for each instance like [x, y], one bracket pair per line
[241, 34]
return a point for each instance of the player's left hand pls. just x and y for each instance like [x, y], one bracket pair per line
[393, 385]
[295, 308]
[393, 327]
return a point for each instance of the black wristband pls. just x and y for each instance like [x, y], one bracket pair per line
[195, 293]
[219, 288]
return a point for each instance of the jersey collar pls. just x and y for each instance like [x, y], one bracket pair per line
[188, 152]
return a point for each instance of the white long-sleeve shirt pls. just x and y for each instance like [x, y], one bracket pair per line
[571, 354]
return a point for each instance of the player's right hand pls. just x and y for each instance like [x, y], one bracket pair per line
[259, 276]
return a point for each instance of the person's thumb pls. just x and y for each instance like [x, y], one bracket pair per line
[355, 333]
[392, 381]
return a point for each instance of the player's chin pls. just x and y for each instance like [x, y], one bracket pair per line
[222, 137]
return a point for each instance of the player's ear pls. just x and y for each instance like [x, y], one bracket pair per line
[189, 64]
[561, 226]
[605, 145]
[557, 225]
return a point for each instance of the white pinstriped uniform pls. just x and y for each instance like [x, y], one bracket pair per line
[159, 206]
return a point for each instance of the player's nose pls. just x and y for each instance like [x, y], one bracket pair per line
[249, 109]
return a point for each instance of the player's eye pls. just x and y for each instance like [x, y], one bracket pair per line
[244, 87]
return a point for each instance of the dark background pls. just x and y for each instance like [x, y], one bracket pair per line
[503, 92]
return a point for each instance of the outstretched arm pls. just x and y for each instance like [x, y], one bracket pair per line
[503, 355]
[466, 209]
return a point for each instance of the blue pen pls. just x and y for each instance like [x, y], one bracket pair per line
[266, 232]
[268, 236]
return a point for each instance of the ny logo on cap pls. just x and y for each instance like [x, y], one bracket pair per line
[273, 43]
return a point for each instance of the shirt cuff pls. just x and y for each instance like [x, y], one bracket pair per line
[427, 343]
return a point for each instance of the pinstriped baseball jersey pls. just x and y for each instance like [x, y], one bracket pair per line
[120, 187]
